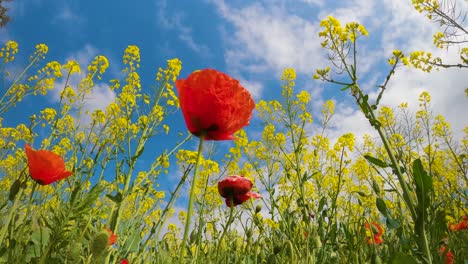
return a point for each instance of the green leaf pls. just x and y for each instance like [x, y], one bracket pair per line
[92, 196]
[14, 190]
[132, 242]
[322, 203]
[423, 184]
[138, 154]
[117, 198]
[347, 87]
[376, 161]
[381, 206]
[402, 258]
[392, 223]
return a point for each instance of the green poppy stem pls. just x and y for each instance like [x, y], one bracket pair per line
[191, 199]
[229, 222]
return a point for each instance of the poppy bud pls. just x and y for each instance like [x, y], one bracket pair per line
[276, 250]
[100, 243]
[376, 259]
[193, 237]
[258, 208]
[74, 253]
[248, 233]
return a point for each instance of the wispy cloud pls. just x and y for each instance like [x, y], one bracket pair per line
[266, 38]
[100, 96]
[67, 15]
[175, 21]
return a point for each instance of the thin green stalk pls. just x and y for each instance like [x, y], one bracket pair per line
[201, 219]
[191, 198]
[231, 213]
[164, 215]
[404, 186]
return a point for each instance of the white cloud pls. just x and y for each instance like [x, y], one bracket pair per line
[255, 88]
[314, 2]
[101, 95]
[409, 31]
[176, 22]
[67, 15]
[267, 38]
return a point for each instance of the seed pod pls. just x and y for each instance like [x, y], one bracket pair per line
[363, 194]
[375, 187]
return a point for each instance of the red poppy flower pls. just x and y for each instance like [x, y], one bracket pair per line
[453, 227]
[45, 167]
[237, 189]
[112, 237]
[377, 231]
[462, 225]
[449, 257]
[124, 261]
[214, 104]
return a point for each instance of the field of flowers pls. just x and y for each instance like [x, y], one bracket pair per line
[71, 191]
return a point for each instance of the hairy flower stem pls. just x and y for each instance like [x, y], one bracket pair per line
[191, 199]
[231, 213]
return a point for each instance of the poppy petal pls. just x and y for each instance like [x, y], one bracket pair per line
[215, 104]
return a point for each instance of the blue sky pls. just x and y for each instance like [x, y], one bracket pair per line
[252, 41]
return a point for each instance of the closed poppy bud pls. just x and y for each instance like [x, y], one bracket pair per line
[74, 253]
[45, 167]
[248, 233]
[258, 208]
[99, 244]
[376, 259]
[214, 104]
